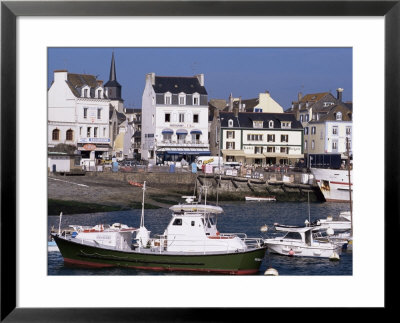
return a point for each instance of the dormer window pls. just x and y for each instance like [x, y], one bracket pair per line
[167, 98]
[270, 124]
[339, 116]
[230, 123]
[85, 92]
[286, 124]
[196, 99]
[257, 124]
[182, 99]
[99, 94]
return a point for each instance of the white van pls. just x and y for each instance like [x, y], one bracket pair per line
[209, 160]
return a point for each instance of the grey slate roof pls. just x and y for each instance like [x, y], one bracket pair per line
[245, 119]
[178, 84]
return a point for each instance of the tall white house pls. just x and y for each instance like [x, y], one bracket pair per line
[174, 119]
[78, 114]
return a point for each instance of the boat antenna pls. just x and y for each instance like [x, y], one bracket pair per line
[309, 213]
[142, 217]
[59, 225]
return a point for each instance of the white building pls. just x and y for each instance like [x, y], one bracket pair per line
[174, 119]
[78, 114]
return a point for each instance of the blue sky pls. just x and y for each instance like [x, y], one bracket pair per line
[241, 71]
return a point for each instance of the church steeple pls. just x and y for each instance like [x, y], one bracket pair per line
[113, 73]
[112, 86]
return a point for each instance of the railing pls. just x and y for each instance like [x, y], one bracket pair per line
[182, 143]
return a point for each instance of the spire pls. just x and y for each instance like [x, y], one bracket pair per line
[113, 73]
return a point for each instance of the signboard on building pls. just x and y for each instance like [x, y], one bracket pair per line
[89, 147]
[94, 140]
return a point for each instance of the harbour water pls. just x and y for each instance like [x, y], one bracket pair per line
[245, 217]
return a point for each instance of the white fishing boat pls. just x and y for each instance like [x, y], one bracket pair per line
[333, 183]
[191, 242]
[260, 199]
[299, 242]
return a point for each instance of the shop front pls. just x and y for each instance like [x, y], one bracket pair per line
[189, 155]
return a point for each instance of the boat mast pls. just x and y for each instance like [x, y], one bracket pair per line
[142, 216]
[348, 169]
[59, 225]
[309, 213]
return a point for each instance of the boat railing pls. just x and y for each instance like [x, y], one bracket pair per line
[235, 234]
[161, 242]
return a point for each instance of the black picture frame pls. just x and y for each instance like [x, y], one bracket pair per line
[10, 10]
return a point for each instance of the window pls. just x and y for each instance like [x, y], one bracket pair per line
[56, 134]
[339, 116]
[167, 117]
[99, 94]
[80, 131]
[195, 138]
[348, 145]
[306, 130]
[286, 125]
[85, 93]
[258, 150]
[348, 130]
[177, 222]
[270, 149]
[307, 117]
[88, 132]
[305, 144]
[85, 113]
[334, 145]
[284, 138]
[258, 110]
[230, 135]
[70, 135]
[334, 130]
[181, 117]
[271, 138]
[230, 123]
[104, 132]
[167, 137]
[301, 118]
[98, 113]
[95, 131]
[313, 129]
[182, 99]
[195, 118]
[255, 137]
[167, 98]
[230, 145]
[196, 99]
[270, 124]
[192, 223]
[284, 150]
[257, 124]
[312, 144]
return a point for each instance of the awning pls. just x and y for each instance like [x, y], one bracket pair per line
[167, 131]
[279, 155]
[181, 132]
[229, 152]
[255, 156]
[196, 132]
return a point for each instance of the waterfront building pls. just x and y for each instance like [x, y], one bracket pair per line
[327, 122]
[174, 119]
[264, 103]
[135, 123]
[260, 138]
[78, 114]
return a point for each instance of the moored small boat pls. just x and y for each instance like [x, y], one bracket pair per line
[260, 199]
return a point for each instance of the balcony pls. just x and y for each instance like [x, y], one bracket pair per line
[182, 143]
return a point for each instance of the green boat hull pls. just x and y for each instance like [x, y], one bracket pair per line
[243, 263]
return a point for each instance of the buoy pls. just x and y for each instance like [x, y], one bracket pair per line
[271, 272]
[264, 228]
[330, 231]
[334, 256]
[291, 252]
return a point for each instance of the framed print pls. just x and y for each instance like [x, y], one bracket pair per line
[31, 33]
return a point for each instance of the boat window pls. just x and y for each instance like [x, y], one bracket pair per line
[177, 222]
[293, 235]
[211, 221]
[192, 223]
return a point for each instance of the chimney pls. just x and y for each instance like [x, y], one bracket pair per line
[151, 77]
[339, 94]
[299, 96]
[60, 75]
[200, 77]
[99, 82]
[240, 104]
[230, 103]
[236, 111]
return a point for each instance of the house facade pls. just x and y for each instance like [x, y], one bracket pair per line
[261, 138]
[174, 119]
[78, 114]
